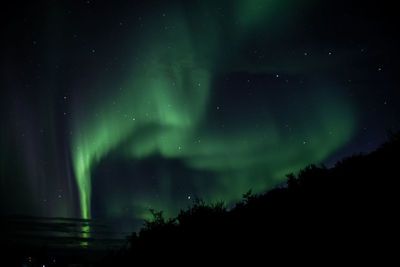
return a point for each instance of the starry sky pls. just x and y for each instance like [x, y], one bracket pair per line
[108, 109]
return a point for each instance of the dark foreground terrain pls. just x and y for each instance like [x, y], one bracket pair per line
[345, 214]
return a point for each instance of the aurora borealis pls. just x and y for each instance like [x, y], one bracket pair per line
[108, 110]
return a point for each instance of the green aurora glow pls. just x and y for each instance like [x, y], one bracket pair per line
[163, 109]
[111, 108]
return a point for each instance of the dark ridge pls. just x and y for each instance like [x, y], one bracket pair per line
[342, 213]
[322, 215]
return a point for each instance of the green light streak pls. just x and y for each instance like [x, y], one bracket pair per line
[85, 234]
[162, 109]
[153, 99]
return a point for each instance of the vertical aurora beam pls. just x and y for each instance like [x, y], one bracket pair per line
[168, 92]
[163, 105]
[96, 139]
[82, 174]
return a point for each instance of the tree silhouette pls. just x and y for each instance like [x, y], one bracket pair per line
[320, 211]
[321, 214]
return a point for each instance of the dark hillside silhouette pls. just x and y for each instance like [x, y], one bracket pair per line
[345, 212]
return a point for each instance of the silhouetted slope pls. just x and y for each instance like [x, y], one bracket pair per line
[346, 211]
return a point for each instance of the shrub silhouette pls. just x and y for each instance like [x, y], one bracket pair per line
[320, 212]
[344, 213]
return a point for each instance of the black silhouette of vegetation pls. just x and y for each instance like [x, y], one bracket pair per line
[344, 212]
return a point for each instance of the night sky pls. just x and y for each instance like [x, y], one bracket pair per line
[109, 108]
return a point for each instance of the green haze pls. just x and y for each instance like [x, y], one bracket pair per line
[164, 107]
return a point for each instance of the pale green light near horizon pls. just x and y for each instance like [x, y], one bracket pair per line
[162, 108]
[152, 98]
